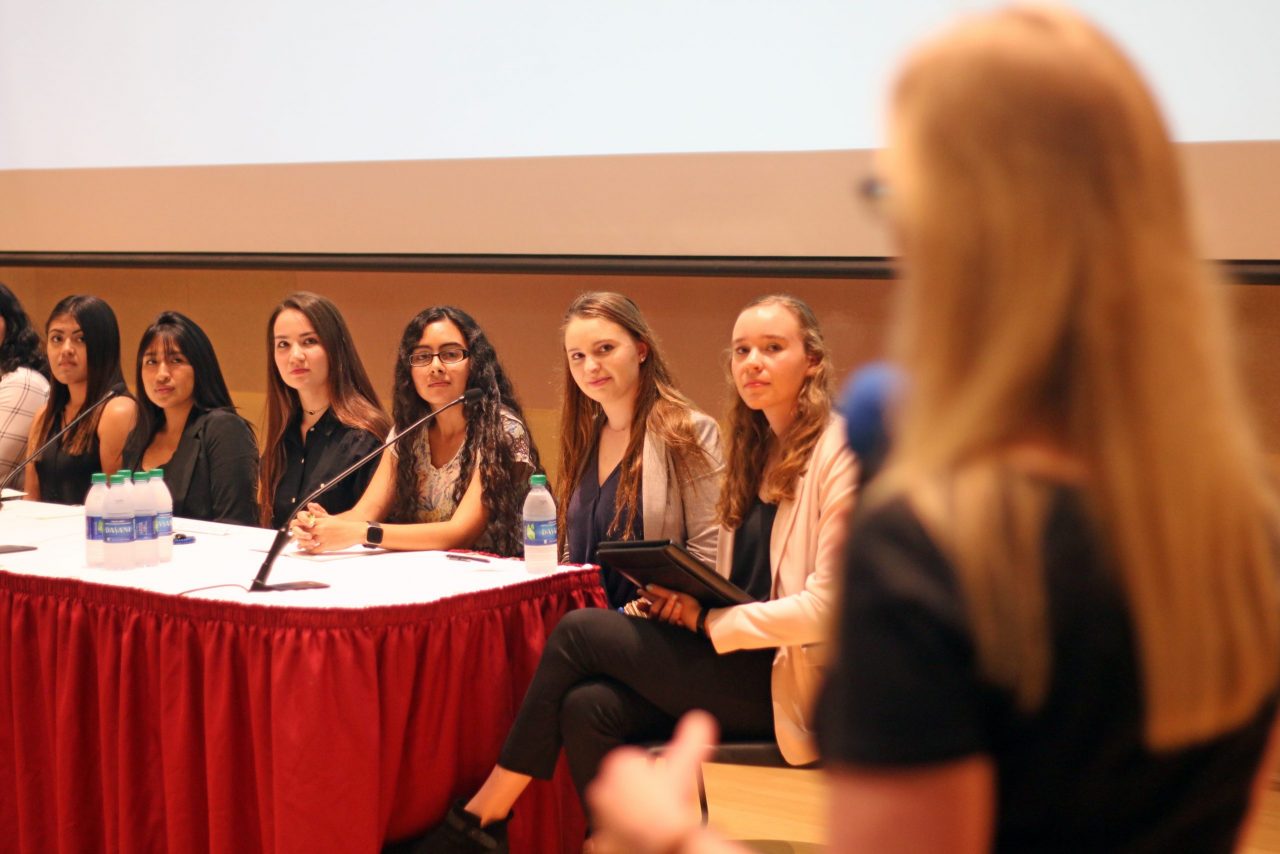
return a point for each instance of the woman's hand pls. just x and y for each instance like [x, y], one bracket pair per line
[644, 806]
[679, 609]
[315, 531]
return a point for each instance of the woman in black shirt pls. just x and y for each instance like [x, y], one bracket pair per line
[322, 411]
[82, 340]
[188, 426]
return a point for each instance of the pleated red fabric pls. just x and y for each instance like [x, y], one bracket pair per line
[132, 721]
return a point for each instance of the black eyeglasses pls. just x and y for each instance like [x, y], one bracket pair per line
[447, 356]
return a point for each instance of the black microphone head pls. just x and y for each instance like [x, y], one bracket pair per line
[471, 395]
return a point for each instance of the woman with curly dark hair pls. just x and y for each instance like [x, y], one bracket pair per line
[459, 483]
[24, 379]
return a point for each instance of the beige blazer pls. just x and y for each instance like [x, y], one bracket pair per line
[685, 515]
[806, 556]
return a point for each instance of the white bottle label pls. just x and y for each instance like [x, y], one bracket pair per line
[117, 530]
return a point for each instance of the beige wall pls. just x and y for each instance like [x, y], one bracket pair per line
[521, 314]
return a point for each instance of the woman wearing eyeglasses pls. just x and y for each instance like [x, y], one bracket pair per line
[460, 482]
[322, 411]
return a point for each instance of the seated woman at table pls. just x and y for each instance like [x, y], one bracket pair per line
[460, 482]
[82, 342]
[188, 426]
[606, 678]
[24, 380]
[322, 411]
[647, 462]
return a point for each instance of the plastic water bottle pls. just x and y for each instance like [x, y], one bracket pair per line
[144, 521]
[539, 527]
[128, 491]
[162, 500]
[117, 526]
[94, 505]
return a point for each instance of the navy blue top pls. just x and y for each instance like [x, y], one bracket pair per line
[750, 569]
[591, 511]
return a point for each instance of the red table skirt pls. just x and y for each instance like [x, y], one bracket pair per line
[133, 721]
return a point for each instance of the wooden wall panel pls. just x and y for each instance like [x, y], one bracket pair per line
[520, 312]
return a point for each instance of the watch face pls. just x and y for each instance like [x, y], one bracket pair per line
[374, 535]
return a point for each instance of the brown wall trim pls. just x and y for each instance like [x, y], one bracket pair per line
[604, 265]
[1242, 272]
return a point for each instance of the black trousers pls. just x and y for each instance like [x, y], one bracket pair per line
[606, 679]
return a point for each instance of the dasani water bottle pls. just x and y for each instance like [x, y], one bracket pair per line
[539, 527]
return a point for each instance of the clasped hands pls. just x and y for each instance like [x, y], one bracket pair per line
[669, 606]
[315, 531]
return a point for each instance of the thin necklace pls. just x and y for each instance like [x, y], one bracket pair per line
[315, 411]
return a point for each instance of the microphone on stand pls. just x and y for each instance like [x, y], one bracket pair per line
[865, 403]
[282, 536]
[115, 391]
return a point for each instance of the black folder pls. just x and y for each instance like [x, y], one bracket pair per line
[659, 562]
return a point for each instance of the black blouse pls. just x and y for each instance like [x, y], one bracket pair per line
[1075, 774]
[65, 478]
[751, 570]
[591, 511]
[331, 446]
[213, 473]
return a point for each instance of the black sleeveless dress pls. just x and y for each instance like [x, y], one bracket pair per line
[65, 478]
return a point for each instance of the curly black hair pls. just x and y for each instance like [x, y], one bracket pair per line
[505, 482]
[21, 345]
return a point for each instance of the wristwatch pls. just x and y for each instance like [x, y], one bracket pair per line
[373, 535]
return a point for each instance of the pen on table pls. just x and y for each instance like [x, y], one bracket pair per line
[472, 558]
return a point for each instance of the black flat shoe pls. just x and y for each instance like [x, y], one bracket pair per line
[460, 833]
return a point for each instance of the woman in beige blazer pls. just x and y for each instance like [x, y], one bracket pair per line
[607, 678]
[638, 461]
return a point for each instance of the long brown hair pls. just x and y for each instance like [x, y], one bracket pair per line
[1054, 297]
[750, 439]
[351, 395]
[660, 410]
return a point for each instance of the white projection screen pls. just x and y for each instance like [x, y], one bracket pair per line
[705, 128]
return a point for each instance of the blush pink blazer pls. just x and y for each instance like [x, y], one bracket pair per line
[806, 551]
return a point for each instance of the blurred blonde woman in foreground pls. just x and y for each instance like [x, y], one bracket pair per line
[1059, 621]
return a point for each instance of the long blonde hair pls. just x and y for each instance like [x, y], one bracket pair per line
[660, 409]
[1054, 295]
[749, 439]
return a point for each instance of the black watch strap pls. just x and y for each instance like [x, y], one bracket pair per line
[373, 535]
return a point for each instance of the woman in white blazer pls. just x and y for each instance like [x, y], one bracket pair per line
[607, 678]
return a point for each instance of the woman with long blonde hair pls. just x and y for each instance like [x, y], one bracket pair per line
[1059, 627]
[638, 460]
